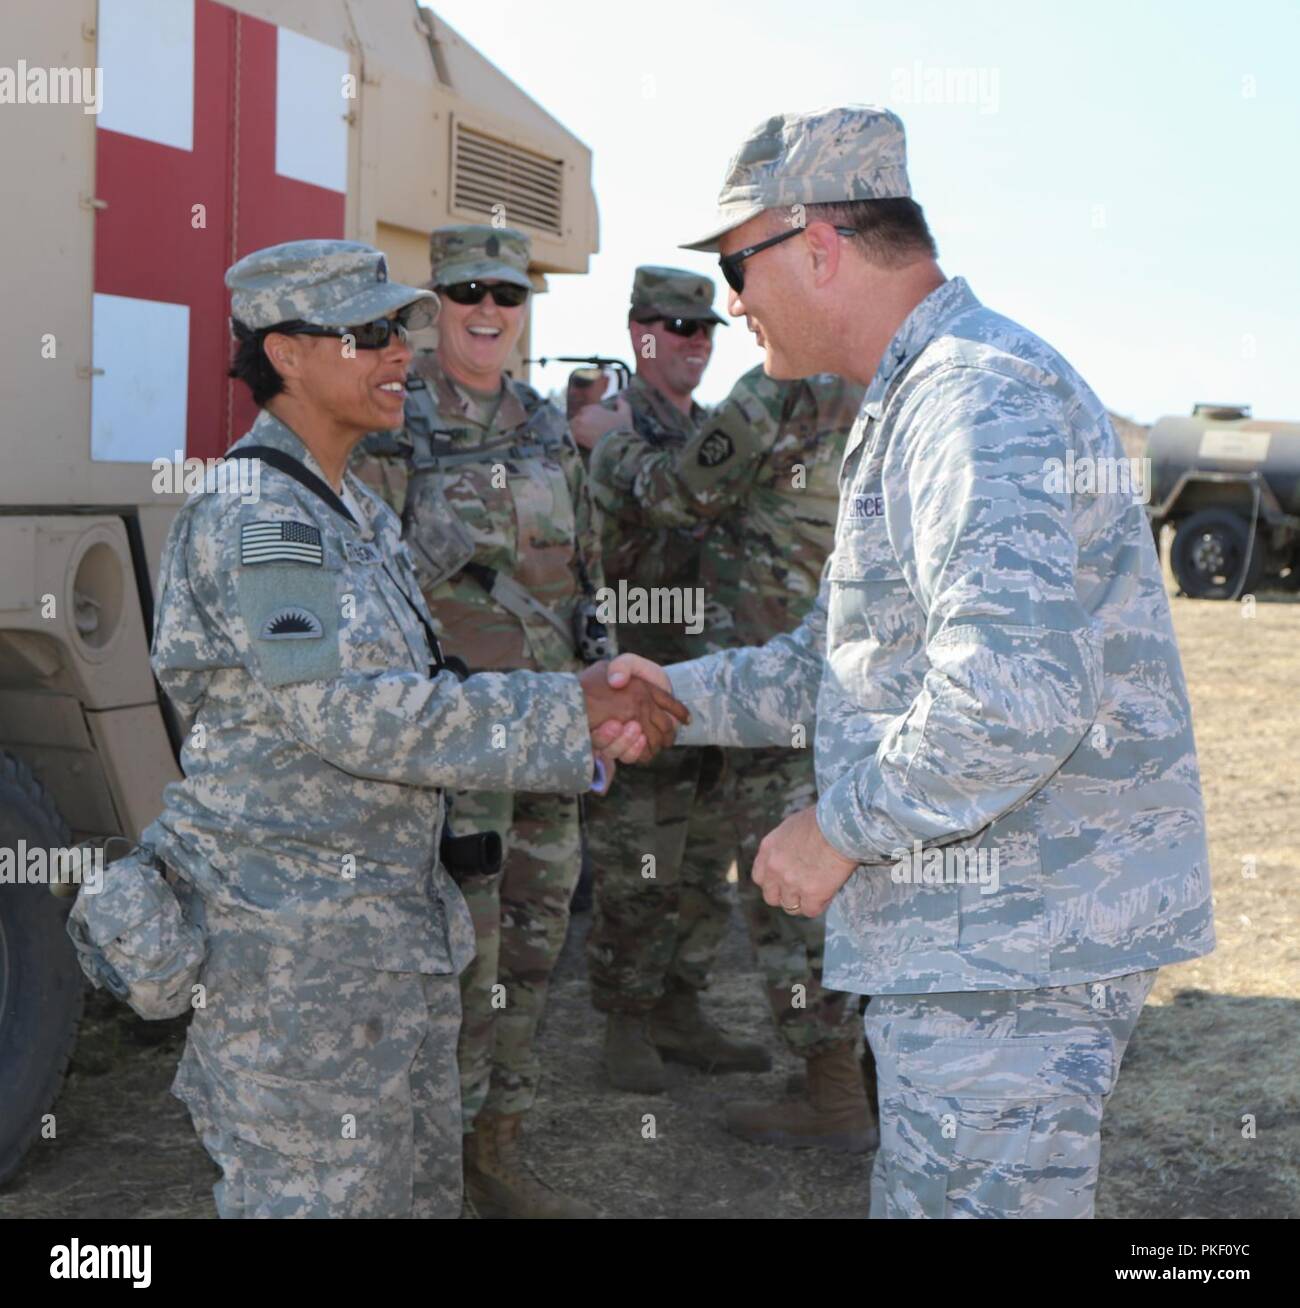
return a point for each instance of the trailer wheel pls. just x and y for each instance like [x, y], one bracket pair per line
[41, 990]
[1209, 555]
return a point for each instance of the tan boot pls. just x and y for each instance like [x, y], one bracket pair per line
[683, 1034]
[832, 1114]
[498, 1183]
[631, 1060]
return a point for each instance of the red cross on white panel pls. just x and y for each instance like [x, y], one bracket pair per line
[201, 108]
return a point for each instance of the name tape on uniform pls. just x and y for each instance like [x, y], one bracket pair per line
[359, 551]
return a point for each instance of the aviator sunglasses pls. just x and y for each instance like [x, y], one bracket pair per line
[504, 294]
[371, 335]
[730, 263]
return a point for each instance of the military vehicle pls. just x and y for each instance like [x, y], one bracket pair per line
[1230, 486]
[220, 128]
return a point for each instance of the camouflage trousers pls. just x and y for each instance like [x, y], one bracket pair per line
[763, 788]
[323, 1090]
[661, 900]
[991, 1100]
[520, 917]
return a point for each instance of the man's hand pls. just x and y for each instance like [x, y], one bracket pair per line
[589, 424]
[652, 707]
[624, 667]
[797, 869]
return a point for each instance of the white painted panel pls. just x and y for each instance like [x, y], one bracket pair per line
[311, 133]
[1229, 443]
[146, 49]
[137, 407]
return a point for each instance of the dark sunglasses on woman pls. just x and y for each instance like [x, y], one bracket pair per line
[504, 294]
[371, 335]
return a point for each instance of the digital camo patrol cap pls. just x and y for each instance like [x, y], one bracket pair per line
[672, 293]
[325, 283]
[469, 252]
[854, 152]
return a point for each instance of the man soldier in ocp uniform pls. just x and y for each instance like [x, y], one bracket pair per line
[495, 509]
[661, 901]
[321, 722]
[761, 475]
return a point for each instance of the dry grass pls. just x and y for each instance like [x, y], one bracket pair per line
[1219, 1040]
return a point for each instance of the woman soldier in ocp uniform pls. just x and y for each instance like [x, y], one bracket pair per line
[495, 508]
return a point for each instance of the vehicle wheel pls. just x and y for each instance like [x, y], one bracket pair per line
[41, 989]
[1209, 555]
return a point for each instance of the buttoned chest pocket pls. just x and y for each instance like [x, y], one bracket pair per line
[866, 578]
[870, 620]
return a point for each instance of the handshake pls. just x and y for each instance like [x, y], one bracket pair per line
[631, 711]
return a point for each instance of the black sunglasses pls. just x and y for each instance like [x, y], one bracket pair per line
[730, 263]
[684, 326]
[370, 335]
[504, 294]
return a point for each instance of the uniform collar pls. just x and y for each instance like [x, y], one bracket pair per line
[927, 321]
[452, 403]
[663, 408]
[269, 430]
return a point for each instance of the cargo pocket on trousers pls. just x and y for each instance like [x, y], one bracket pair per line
[994, 1127]
[312, 1059]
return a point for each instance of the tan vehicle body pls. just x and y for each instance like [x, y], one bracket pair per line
[436, 134]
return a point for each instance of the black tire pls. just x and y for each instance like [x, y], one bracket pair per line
[1208, 556]
[41, 990]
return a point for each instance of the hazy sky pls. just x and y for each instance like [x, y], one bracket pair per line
[1122, 176]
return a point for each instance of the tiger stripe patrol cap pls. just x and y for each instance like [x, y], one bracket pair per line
[853, 152]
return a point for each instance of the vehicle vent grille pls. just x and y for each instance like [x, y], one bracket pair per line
[486, 171]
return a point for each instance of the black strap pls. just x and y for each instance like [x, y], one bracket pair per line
[291, 467]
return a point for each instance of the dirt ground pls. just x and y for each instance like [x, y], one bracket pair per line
[1205, 1122]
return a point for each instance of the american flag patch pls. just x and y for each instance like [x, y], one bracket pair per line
[280, 542]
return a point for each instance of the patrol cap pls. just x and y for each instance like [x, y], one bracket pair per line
[467, 252]
[672, 293]
[326, 283]
[854, 152]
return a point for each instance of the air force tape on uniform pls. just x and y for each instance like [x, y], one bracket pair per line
[978, 670]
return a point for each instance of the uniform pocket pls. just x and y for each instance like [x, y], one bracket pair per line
[993, 1127]
[301, 1055]
[870, 608]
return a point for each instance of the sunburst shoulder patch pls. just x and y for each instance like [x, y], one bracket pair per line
[292, 623]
